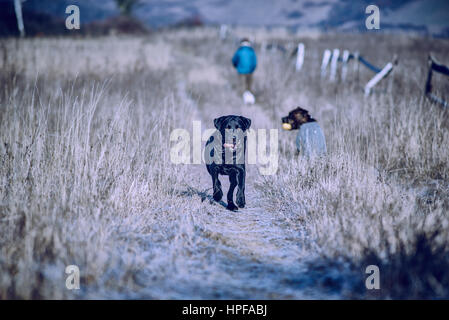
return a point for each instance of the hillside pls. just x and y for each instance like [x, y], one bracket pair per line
[423, 17]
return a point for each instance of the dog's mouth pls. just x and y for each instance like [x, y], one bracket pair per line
[229, 145]
[234, 145]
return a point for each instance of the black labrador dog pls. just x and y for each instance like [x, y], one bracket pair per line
[225, 154]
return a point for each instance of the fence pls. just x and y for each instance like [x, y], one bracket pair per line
[334, 57]
[435, 66]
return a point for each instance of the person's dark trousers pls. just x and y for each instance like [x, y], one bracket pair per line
[247, 81]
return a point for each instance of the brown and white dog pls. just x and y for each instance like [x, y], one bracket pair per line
[310, 140]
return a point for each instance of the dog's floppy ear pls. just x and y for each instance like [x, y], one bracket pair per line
[246, 122]
[219, 121]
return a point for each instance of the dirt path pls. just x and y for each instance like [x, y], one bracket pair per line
[247, 254]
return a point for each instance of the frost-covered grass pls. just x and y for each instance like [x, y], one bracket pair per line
[86, 178]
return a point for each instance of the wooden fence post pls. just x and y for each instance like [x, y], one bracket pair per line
[223, 31]
[428, 86]
[344, 68]
[356, 66]
[19, 16]
[334, 62]
[436, 66]
[326, 58]
[300, 57]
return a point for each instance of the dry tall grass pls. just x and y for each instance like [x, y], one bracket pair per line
[86, 177]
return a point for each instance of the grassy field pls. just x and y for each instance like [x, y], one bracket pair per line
[86, 177]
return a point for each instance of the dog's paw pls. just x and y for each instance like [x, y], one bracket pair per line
[240, 201]
[218, 195]
[232, 207]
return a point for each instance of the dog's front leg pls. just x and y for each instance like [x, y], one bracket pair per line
[233, 183]
[241, 188]
[216, 184]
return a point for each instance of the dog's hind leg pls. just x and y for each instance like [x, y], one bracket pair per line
[233, 180]
[241, 189]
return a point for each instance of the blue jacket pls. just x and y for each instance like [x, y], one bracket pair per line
[245, 60]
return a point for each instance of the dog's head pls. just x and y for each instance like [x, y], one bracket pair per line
[295, 119]
[232, 128]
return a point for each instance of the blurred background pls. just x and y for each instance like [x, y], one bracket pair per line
[46, 17]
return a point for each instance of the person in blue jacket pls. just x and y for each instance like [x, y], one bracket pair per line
[245, 61]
